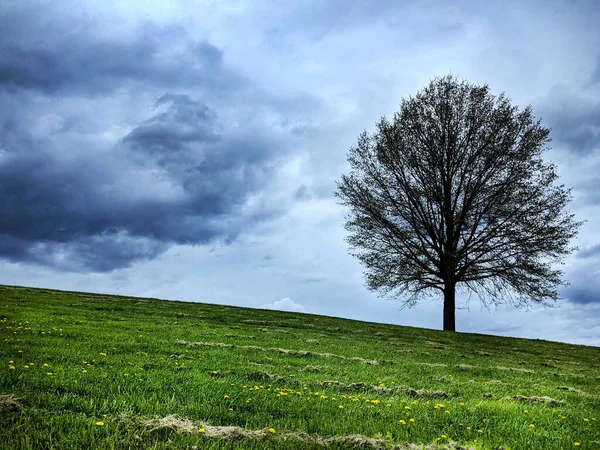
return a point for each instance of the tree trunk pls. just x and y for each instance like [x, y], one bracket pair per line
[449, 306]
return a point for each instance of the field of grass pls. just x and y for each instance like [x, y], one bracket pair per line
[97, 371]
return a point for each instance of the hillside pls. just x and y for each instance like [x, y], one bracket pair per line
[83, 370]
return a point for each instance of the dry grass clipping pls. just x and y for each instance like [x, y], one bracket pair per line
[570, 389]
[177, 424]
[285, 351]
[9, 402]
[513, 369]
[543, 400]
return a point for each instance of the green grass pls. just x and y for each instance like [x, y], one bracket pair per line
[136, 364]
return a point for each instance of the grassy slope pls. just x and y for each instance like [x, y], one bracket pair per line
[121, 361]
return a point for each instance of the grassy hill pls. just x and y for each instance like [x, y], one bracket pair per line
[98, 371]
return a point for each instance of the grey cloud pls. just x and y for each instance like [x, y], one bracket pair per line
[584, 287]
[574, 119]
[79, 214]
[217, 172]
[82, 60]
[318, 19]
[83, 210]
[184, 124]
[310, 280]
[595, 76]
[583, 294]
[181, 176]
[589, 252]
[100, 253]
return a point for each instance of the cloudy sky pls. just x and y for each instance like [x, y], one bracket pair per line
[189, 150]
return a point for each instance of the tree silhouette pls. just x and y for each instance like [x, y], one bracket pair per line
[453, 192]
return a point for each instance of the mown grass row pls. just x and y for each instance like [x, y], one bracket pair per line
[83, 370]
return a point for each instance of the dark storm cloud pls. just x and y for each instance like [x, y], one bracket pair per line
[583, 294]
[80, 59]
[180, 176]
[184, 145]
[82, 209]
[574, 120]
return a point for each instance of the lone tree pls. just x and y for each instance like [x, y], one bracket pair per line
[453, 192]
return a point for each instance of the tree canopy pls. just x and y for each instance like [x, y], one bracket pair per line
[453, 192]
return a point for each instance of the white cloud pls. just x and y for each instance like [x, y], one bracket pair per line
[285, 304]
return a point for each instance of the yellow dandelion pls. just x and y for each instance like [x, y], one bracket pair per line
[411, 420]
[402, 421]
[586, 420]
[102, 354]
[271, 430]
[25, 367]
[341, 406]
[83, 371]
[263, 433]
[45, 365]
[462, 404]
[447, 412]
[408, 408]
[226, 396]
[49, 373]
[11, 367]
[11, 362]
[388, 405]
[443, 436]
[576, 444]
[468, 428]
[531, 425]
[415, 402]
[100, 423]
[480, 431]
[525, 411]
[201, 430]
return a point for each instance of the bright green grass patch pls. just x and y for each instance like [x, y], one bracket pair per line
[97, 371]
